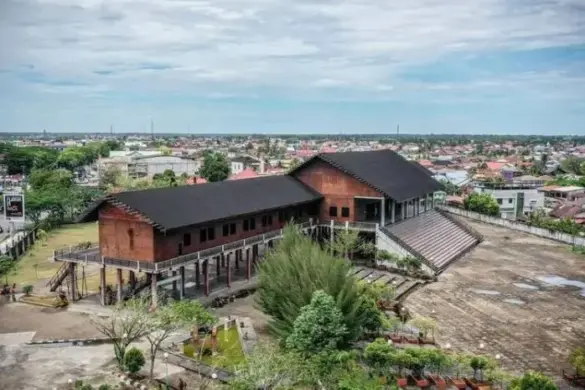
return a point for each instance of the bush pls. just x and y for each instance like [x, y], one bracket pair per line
[27, 289]
[189, 350]
[105, 387]
[134, 360]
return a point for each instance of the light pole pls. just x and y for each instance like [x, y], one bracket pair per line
[166, 357]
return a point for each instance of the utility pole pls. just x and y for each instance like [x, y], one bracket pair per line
[112, 130]
[152, 129]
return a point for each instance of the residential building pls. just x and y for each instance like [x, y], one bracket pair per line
[138, 164]
[171, 232]
[518, 197]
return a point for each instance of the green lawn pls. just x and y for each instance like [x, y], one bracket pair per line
[229, 350]
[37, 265]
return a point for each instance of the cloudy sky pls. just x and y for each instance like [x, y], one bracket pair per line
[293, 66]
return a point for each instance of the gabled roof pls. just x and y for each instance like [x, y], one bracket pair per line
[385, 171]
[176, 207]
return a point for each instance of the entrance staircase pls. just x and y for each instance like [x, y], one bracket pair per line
[435, 237]
[59, 277]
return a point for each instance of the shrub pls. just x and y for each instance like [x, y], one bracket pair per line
[134, 360]
[86, 386]
[189, 350]
[105, 386]
[27, 289]
[78, 384]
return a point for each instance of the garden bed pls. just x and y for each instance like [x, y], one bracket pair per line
[43, 300]
[230, 352]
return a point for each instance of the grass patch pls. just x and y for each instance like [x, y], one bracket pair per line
[229, 350]
[39, 300]
[37, 264]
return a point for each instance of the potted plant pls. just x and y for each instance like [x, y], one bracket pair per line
[419, 360]
[401, 360]
[459, 362]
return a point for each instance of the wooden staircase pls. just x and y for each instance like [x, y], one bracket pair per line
[59, 277]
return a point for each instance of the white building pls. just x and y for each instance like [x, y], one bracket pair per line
[145, 164]
[519, 197]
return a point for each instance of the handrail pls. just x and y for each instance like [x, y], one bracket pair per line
[85, 253]
[410, 249]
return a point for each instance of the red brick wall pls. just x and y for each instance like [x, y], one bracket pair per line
[167, 246]
[337, 187]
[114, 224]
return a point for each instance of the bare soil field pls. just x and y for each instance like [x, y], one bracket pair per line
[520, 296]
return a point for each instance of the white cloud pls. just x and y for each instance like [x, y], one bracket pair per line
[289, 44]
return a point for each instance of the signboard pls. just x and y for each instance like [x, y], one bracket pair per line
[14, 206]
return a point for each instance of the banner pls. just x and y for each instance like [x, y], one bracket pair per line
[14, 206]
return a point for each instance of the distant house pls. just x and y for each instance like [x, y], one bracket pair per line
[247, 173]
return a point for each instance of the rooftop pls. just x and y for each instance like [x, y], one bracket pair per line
[176, 207]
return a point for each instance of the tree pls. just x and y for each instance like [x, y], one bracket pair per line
[482, 203]
[345, 241]
[165, 150]
[319, 326]
[215, 167]
[56, 179]
[169, 318]
[268, 368]
[7, 265]
[577, 360]
[533, 381]
[293, 271]
[128, 323]
[572, 165]
[450, 188]
[110, 177]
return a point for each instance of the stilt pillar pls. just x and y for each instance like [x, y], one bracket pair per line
[154, 290]
[119, 281]
[174, 273]
[248, 264]
[217, 266]
[132, 279]
[103, 285]
[238, 254]
[197, 275]
[222, 259]
[182, 282]
[228, 271]
[73, 281]
[206, 277]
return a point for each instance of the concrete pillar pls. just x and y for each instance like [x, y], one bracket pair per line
[120, 285]
[222, 259]
[197, 275]
[228, 271]
[206, 276]
[403, 207]
[154, 289]
[217, 266]
[103, 285]
[174, 273]
[238, 255]
[182, 282]
[383, 212]
[72, 281]
[393, 212]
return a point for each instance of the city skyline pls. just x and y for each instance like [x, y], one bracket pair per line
[353, 67]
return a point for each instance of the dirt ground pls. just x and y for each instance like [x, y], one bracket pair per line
[507, 295]
[48, 323]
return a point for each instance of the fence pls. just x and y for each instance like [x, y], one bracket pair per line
[17, 245]
[515, 225]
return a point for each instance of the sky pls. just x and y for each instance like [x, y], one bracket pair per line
[293, 66]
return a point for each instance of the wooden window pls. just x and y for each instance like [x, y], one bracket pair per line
[187, 239]
[333, 211]
[211, 234]
[252, 223]
[246, 225]
[131, 238]
[226, 230]
[345, 212]
[281, 217]
[202, 235]
[266, 220]
[232, 228]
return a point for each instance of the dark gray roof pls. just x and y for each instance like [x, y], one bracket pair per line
[385, 171]
[171, 208]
